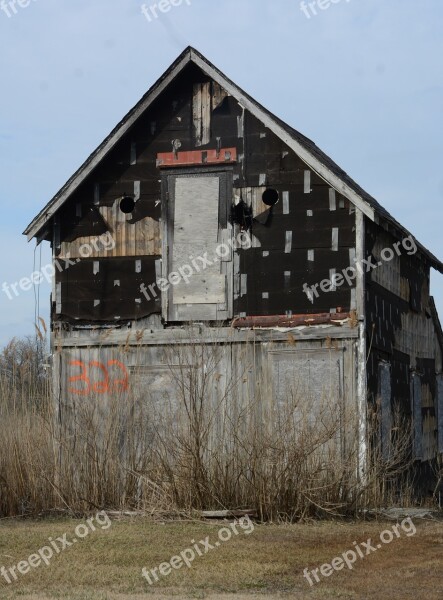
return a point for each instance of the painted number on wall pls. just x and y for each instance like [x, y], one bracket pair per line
[96, 377]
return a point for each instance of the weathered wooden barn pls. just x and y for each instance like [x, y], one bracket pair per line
[203, 208]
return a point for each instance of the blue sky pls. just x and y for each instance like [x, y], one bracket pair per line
[362, 78]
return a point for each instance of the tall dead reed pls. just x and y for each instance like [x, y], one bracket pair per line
[212, 438]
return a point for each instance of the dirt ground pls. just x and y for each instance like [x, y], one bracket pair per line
[267, 561]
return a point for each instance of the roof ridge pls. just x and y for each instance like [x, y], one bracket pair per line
[305, 148]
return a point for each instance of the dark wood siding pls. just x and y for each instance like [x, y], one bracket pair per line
[401, 330]
[321, 231]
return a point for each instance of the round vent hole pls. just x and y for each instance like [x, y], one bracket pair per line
[127, 205]
[270, 197]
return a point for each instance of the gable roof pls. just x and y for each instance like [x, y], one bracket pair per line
[305, 148]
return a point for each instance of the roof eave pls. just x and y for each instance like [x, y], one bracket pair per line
[271, 122]
[106, 146]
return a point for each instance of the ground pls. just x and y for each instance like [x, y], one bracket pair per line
[266, 562]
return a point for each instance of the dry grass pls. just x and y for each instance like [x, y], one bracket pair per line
[204, 448]
[267, 563]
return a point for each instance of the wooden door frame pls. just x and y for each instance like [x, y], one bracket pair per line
[225, 173]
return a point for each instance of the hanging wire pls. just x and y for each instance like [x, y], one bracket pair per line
[38, 288]
[34, 287]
